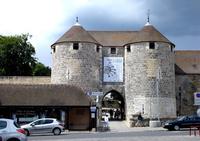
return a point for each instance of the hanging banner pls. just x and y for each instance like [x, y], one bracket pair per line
[113, 69]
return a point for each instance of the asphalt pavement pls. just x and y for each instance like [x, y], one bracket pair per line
[120, 132]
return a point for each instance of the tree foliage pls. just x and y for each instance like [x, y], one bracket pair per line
[41, 70]
[16, 55]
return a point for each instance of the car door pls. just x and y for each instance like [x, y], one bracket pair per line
[187, 122]
[37, 127]
[196, 121]
[48, 125]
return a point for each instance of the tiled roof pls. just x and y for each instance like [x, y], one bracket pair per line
[149, 33]
[76, 34]
[42, 95]
[187, 62]
[112, 38]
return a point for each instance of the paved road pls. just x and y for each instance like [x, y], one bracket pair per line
[119, 132]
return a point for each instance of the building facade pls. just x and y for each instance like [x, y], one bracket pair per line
[139, 65]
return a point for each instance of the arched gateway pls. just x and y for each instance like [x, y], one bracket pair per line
[113, 105]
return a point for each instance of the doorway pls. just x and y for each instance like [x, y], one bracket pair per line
[113, 106]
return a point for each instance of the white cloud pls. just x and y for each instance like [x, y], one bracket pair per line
[47, 20]
[40, 18]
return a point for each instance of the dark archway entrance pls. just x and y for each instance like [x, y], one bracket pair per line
[113, 105]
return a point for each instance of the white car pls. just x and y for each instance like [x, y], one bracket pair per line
[44, 125]
[10, 131]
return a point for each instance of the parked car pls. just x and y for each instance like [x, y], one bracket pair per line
[44, 125]
[10, 131]
[182, 122]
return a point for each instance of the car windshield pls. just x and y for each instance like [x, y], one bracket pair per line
[181, 118]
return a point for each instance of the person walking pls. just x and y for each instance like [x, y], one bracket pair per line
[106, 120]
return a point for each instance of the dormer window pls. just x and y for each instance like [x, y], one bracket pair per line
[151, 45]
[128, 48]
[75, 46]
[113, 50]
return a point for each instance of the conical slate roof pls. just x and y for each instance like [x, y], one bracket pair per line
[149, 33]
[76, 34]
[113, 38]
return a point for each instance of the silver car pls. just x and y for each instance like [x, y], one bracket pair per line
[44, 125]
[10, 131]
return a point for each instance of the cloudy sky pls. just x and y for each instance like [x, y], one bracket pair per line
[47, 20]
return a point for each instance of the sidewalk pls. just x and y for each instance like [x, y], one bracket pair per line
[120, 126]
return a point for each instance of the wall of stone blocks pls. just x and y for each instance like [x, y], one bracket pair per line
[142, 66]
[76, 67]
[25, 79]
[186, 86]
[84, 68]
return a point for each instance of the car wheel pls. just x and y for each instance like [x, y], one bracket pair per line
[56, 131]
[176, 127]
[27, 132]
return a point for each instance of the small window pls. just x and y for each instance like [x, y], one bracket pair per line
[172, 48]
[3, 124]
[75, 46]
[54, 49]
[113, 50]
[128, 48]
[97, 48]
[151, 45]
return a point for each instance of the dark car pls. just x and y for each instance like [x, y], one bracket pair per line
[183, 122]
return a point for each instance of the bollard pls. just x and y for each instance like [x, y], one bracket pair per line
[195, 129]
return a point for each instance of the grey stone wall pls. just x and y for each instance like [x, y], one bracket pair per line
[143, 89]
[108, 86]
[186, 85]
[25, 79]
[142, 66]
[77, 67]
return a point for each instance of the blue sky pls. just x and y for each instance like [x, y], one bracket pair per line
[47, 20]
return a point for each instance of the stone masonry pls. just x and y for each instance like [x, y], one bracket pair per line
[150, 80]
[148, 84]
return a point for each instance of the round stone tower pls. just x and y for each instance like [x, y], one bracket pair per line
[150, 75]
[76, 59]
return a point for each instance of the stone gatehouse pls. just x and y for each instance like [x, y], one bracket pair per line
[139, 65]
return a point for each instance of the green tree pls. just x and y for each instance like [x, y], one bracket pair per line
[41, 70]
[16, 55]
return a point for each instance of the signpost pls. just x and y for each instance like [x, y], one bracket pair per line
[97, 94]
[95, 109]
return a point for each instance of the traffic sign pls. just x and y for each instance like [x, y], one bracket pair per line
[97, 93]
[197, 98]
